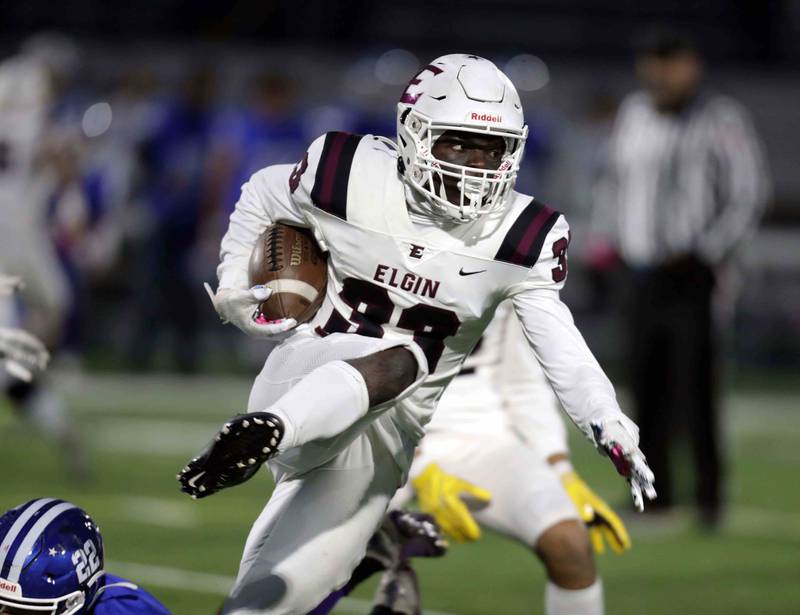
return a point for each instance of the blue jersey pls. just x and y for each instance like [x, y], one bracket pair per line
[254, 140]
[121, 597]
[176, 157]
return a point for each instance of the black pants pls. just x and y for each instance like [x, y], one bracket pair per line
[167, 297]
[674, 374]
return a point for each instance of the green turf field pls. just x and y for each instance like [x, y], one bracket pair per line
[142, 429]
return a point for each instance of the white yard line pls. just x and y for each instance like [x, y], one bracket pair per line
[184, 429]
[761, 522]
[150, 436]
[149, 392]
[159, 512]
[172, 578]
[154, 395]
[750, 522]
[202, 582]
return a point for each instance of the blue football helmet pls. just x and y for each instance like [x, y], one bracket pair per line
[51, 559]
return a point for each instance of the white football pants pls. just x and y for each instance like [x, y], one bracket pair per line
[330, 495]
[527, 495]
[29, 254]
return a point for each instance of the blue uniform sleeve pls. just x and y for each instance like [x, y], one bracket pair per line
[121, 597]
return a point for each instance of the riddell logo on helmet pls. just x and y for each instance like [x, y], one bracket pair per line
[486, 117]
[11, 588]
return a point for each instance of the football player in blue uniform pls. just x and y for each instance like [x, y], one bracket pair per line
[51, 563]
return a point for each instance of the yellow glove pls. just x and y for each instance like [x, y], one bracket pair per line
[603, 523]
[445, 497]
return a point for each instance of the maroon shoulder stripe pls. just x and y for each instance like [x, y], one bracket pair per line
[333, 173]
[523, 242]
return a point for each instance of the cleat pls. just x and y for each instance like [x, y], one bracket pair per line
[194, 497]
[194, 480]
[241, 447]
[202, 488]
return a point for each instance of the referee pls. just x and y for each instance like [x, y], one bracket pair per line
[686, 184]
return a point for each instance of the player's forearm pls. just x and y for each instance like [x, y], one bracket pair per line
[579, 382]
[529, 402]
[246, 223]
[264, 200]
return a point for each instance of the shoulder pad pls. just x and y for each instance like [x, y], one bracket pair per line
[333, 173]
[523, 241]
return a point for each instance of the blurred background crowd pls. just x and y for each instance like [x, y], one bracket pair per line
[153, 119]
[127, 129]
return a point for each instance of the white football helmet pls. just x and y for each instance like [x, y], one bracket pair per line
[462, 93]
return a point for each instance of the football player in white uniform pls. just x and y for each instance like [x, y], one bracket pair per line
[23, 359]
[22, 354]
[497, 441]
[425, 238]
[29, 177]
[28, 180]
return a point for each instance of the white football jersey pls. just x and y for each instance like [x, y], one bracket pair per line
[24, 105]
[502, 392]
[435, 282]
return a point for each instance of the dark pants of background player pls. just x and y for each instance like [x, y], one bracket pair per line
[674, 375]
[168, 301]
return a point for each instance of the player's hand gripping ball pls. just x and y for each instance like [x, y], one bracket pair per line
[288, 262]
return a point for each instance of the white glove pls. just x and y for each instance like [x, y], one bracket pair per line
[21, 353]
[619, 439]
[240, 307]
[9, 285]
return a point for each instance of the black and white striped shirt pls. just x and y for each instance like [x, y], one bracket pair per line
[694, 182]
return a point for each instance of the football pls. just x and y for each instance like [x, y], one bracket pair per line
[287, 260]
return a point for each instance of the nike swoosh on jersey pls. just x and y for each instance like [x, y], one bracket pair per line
[462, 272]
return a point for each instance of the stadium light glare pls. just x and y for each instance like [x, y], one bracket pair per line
[528, 72]
[394, 66]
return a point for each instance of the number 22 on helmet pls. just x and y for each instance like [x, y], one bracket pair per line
[51, 559]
